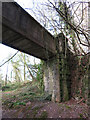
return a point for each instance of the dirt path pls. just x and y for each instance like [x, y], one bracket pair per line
[47, 109]
[39, 109]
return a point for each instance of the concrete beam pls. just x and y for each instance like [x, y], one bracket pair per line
[21, 31]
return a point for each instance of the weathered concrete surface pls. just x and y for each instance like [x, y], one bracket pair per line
[52, 78]
[56, 72]
[21, 31]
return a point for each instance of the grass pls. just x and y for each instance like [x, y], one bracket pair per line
[13, 96]
[81, 115]
[10, 87]
[68, 107]
[11, 104]
[44, 114]
[19, 103]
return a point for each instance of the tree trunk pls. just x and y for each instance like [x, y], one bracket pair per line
[6, 76]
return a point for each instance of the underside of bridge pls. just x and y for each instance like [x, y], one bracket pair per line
[22, 32]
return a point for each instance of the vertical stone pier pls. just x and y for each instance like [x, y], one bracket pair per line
[52, 78]
[46, 77]
[56, 72]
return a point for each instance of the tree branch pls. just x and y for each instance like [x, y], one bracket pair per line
[9, 59]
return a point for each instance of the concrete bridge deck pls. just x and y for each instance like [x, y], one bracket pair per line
[22, 32]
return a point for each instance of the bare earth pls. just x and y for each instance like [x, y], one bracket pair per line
[48, 109]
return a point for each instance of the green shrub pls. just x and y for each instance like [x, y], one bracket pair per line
[4, 88]
[81, 115]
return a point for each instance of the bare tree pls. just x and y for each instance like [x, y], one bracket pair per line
[69, 18]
